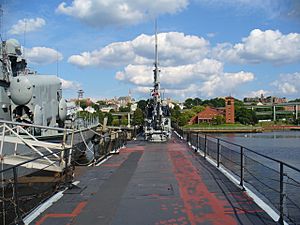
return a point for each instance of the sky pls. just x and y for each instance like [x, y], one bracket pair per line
[206, 48]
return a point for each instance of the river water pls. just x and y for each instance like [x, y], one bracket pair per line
[281, 145]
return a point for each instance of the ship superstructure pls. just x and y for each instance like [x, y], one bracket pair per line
[25, 96]
[158, 119]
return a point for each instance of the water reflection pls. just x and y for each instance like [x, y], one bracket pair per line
[281, 145]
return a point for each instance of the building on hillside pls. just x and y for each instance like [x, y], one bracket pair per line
[265, 100]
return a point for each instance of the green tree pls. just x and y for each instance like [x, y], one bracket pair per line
[138, 117]
[295, 100]
[189, 103]
[214, 102]
[185, 117]
[197, 101]
[198, 108]
[218, 120]
[124, 109]
[245, 116]
[109, 118]
[142, 105]
[175, 113]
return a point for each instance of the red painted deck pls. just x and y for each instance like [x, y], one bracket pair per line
[150, 183]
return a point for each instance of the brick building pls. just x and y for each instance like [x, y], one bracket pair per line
[209, 113]
[229, 109]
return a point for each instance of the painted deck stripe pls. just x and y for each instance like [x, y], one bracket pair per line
[74, 213]
[43, 207]
[196, 195]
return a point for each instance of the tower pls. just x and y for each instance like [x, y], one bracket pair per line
[229, 109]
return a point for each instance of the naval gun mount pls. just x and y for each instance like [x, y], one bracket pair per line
[158, 122]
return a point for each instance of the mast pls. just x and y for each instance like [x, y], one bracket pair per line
[156, 59]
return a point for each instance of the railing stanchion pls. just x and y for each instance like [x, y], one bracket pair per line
[280, 220]
[19, 217]
[242, 169]
[218, 152]
[197, 145]
[205, 145]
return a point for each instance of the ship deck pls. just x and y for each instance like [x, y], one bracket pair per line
[154, 183]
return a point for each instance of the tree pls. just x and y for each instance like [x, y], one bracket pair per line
[142, 105]
[188, 103]
[109, 118]
[214, 102]
[175, 113]
[138, 117]
[198, 108]
[218, 120]
[124, 109]
[185, 117]
[295, 100]
[245, 116]
[197, 101]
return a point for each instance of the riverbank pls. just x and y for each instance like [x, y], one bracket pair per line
[238, 128]
[223, 128]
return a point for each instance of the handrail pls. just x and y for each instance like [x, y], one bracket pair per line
[35, 126]
[35, 139]
[250, 150]
[250, 171]
[30, 160]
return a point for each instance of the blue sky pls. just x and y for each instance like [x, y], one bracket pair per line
[207, 48]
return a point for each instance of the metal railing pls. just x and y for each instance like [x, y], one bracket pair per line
[18, 199]
[275, 182]
[105, 144]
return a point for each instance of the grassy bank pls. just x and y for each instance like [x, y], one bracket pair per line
[224, 128]
[237, 127]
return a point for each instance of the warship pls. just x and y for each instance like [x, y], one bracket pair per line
[35, 104]
[158, 117]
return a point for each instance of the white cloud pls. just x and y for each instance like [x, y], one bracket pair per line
[100, 13]
[70, 85]
[225, 83]
[261, 46]
[205, 78]
[42, 55]
[27, 25]
[174, 49]
[288, 84]
[172, 76]
[258, 93]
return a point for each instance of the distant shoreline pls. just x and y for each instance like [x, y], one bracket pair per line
[241, 129]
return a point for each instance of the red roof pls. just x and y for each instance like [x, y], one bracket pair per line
[207, 114]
